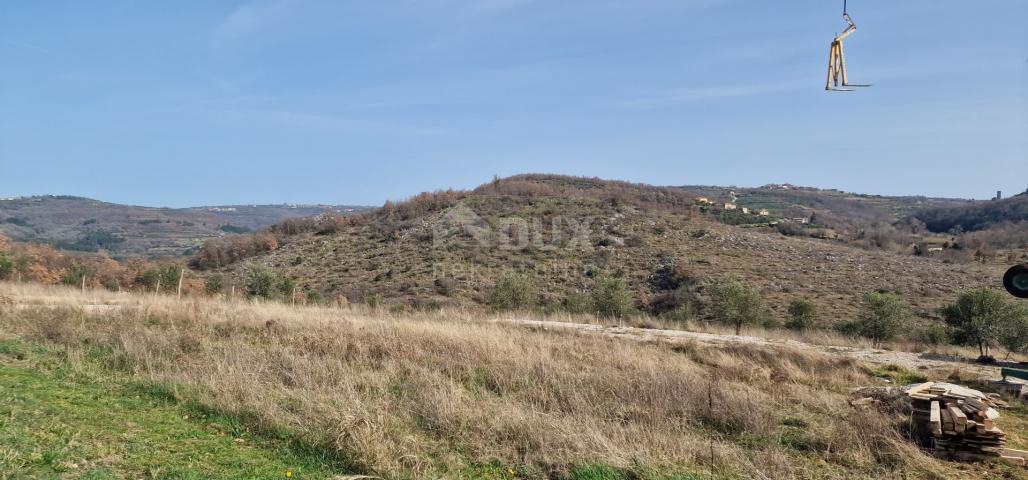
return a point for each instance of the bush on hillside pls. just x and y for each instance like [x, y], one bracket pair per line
[514, 291]
[214, 284]
[672, 286]
[223, 251]
[611, 297]
[166, 276]
[11, 263]
[881, 316]
[264, 282]
[802, 315]
[983, 317]
[736, 304]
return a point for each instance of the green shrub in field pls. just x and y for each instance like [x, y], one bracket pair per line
[74, 275]
[513, 291]
[578, 303]
[214, 284]
[932, 335]
[11, 263]
[802, 315]
[684, 314]
[735, 304]
[165, 275]
[264, 282]
[611, 297]
[881, 316]
[984, 318]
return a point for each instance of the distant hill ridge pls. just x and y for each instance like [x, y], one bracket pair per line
[976, 216]
[564, 233]
[84, 224]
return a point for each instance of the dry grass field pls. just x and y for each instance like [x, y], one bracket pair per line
[446, 395]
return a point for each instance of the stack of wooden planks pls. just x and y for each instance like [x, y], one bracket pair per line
[960, 422]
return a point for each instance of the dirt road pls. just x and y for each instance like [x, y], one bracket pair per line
[912, 361]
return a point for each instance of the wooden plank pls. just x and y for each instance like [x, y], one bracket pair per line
[935, 420]
[918, 388]
[947, 420]
[959, 419]
[1010, 452]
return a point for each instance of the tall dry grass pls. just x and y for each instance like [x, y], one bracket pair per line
[440, 395]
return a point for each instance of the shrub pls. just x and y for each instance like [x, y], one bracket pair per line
[736, 304]
[262, 282]
[445, 286]
[578, 303]
[286, 286]
[112, 285]
[932, 335]
[983, 317]
[11, 263]
[214, 284]
[75, 275]
[219, 252]
[881, 317]
[670, 301]
[669, 275]
[611, 297]
[513, 291]
[165, 275]
[684, 314]
[802, 315]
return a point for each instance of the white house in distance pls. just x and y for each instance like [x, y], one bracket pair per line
[745, 210]
[704, 201]
[763, 212]
[730, 206]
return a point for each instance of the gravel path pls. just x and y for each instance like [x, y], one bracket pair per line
[912, 361]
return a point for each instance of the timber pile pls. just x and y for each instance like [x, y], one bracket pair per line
[960, 422]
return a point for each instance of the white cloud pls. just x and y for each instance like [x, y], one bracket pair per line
[253, 17]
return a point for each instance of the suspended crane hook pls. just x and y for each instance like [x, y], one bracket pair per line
[837, 79]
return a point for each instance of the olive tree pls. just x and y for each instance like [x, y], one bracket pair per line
[802, 315]
[513, 291]
[735, 303]
[881, 316]
[983, 317]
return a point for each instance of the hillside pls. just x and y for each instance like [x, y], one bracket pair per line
[976, 216]
[564, 233]
[82, 224]
[843, 211]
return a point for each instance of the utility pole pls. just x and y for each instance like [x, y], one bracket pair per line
[83, 283]
[181, 273]
[157, 291]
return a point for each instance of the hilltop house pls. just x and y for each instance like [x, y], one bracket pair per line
[730, 206]
[763, 212]
[704, 201]
[745, 210]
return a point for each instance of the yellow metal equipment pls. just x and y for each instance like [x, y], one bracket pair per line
[837, 79]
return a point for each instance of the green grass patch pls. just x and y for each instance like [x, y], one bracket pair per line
[55, 423]
[899, 375]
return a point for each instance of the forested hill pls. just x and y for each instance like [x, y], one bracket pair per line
[976, 216]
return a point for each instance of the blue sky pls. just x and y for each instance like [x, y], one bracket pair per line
[211, 102]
